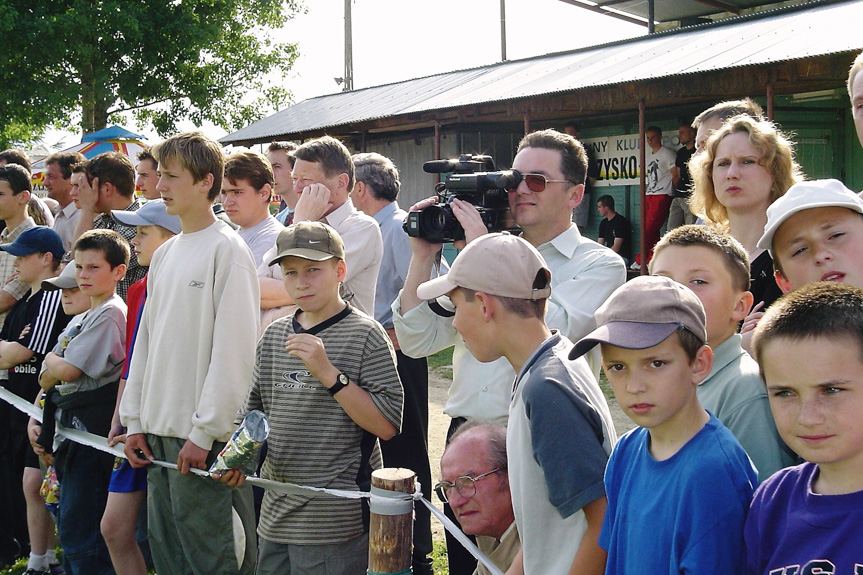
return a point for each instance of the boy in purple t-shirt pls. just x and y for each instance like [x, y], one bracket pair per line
[809, 519]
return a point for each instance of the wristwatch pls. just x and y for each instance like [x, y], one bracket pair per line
[341, 383]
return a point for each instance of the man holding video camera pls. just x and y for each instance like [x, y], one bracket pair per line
[583, 274]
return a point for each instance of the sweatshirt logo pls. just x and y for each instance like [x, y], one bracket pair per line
[196, 284]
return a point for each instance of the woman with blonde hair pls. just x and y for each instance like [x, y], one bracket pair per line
[745, 166]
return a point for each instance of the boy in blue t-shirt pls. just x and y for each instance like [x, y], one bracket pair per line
[809, 519]
[82, 374]
[679, 485]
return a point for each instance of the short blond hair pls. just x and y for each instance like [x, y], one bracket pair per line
[777, 156]
[196, 153]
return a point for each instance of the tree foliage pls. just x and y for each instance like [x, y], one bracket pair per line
[163, 60]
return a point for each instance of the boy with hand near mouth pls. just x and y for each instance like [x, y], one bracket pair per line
[808, 518]
[679, 485]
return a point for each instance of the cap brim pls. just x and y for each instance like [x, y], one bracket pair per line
[59, 283]
[435, 288]
[18, 250]
[130, 218]
[625, 334]
[305, 253]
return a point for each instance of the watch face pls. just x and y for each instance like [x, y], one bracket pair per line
[343, 379]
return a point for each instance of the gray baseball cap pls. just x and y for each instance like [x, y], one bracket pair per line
[643, 313]
[66, 279]
[152, 213]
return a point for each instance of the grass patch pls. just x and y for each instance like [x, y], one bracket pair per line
[441, 362]
[439, 558]
[16, 568]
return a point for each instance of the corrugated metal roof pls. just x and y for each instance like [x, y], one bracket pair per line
[816, 29]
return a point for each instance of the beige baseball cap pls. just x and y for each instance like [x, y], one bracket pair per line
[314, 241]
[643, 313]
[806, 196]
[498, 264]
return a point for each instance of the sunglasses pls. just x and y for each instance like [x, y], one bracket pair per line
[465, 485]
[536, 183]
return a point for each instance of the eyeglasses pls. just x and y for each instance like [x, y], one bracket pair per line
[465, 485]
[536, 183]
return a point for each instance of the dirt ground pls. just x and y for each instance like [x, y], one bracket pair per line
[439, 423]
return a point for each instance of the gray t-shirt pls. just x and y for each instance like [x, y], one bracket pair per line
[95, 343]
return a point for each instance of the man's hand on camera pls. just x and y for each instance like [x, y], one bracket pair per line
[421, 247]
[469, 218]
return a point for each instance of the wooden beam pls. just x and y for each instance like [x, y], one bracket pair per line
[600, 10]
[721, 5]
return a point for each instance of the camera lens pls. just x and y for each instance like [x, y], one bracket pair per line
[433, 221]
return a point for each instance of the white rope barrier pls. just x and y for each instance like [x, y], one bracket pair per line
[376, 500]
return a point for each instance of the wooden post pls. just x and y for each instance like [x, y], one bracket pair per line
[770, 102]
[391, 524]
[437, 135]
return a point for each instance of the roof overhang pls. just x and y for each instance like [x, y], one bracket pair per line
[796, 49]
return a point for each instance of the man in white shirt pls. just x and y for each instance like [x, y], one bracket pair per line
[323, 179]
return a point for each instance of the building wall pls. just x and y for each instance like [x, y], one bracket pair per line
[823, 130]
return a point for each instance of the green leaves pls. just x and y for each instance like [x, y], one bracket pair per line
[163, 60]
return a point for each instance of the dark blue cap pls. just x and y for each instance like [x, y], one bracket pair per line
[36, 240]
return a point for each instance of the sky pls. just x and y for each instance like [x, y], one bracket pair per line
[395, 40]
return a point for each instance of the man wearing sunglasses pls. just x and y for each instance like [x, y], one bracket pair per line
[475, 482]
[553, 167]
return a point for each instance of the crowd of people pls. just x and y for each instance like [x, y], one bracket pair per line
[161, 322]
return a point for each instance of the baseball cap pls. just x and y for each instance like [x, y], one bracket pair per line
[152, 213]
[643, 313]
[314, 241]
[498, 264]
[806, 196]
[66, 279]
[36, 240]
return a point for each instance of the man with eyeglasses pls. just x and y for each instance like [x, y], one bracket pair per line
[475, 482]
[553, 167]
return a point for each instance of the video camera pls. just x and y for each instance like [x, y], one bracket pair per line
[487, 190]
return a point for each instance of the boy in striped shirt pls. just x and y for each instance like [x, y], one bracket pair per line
[326, 377]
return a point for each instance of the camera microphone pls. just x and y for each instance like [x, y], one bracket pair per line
[440, 166]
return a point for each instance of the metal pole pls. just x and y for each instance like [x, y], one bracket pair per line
[642, 181]
[349, 58]
[503, 30]
[651, 16]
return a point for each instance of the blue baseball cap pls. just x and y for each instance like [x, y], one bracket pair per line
[36, 240]
[152, 213]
